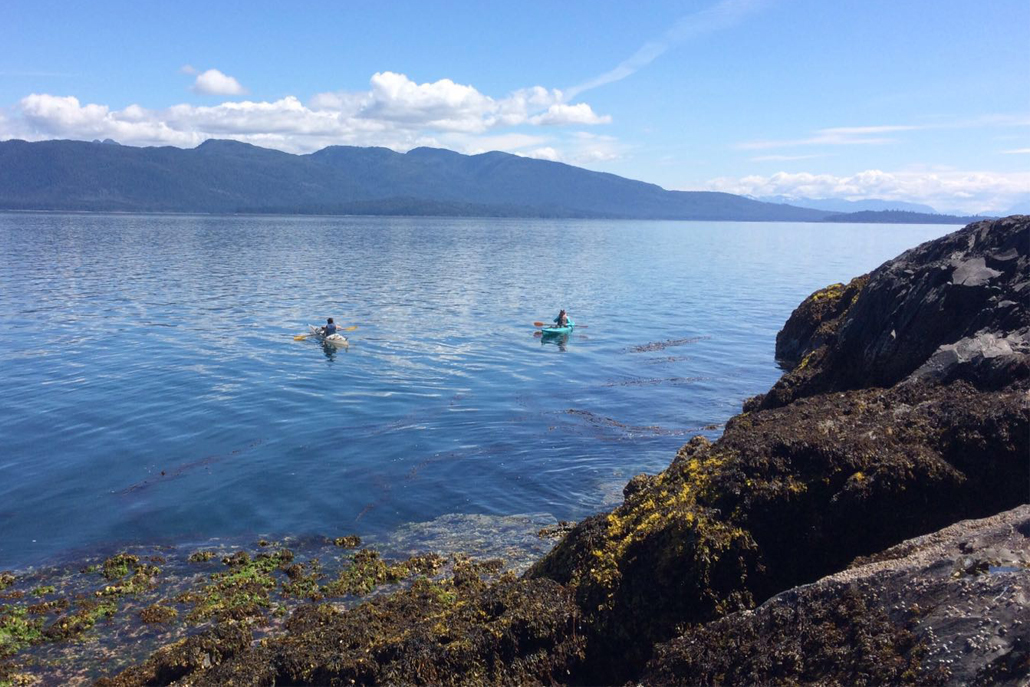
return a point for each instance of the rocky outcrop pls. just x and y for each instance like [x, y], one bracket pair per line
[945, 608]
[856, 449]
[784, 497]
[948, 309]
[815, 322]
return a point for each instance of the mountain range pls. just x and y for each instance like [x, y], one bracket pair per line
[221, 176]
[842, 205]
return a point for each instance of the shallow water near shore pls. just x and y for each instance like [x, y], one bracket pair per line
[152, 392]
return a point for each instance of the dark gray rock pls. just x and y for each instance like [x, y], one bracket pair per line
[939, 310]
[946, 608]
[988, 358]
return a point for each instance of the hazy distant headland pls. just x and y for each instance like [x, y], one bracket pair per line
[232, 177]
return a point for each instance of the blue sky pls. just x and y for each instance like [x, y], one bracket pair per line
[920, 101]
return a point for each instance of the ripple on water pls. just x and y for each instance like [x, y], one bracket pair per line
[152, 389]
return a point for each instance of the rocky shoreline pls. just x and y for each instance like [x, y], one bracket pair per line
[863, 522]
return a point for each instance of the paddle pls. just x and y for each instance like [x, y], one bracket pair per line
[301, 337]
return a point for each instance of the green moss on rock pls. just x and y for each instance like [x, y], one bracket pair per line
[17, 630]
[201, 556]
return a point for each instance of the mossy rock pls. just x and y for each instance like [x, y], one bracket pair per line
[784, 497]
[157, 614]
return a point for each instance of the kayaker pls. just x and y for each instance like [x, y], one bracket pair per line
[329, 328]
[562, 320]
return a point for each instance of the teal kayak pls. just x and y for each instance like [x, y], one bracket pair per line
[559, 330]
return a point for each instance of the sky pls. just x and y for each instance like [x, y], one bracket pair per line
[919, 101]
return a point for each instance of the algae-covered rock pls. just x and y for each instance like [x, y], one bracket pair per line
[912, 615]
[186, 657]
[158, 613]
[201, 556]
[785, 497]
[350, 541]
[815, 321]
[509, 632]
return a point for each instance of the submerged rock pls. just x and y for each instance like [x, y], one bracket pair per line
[457, 631]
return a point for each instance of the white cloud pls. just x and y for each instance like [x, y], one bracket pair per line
[836, 136]
[188, 69]
[448, 106]
[546, 153]
[511, 142]
[214, 82]
[874, 135]
[560, 113]
[969, 192]
[783, 158]
[394, 112]
[719, 16]
[1016, 151]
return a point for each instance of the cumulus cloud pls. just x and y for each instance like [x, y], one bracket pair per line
[448, 106]
[964, 191]
[214, 82]
[395, 112]
[560, 113]
[545, 153]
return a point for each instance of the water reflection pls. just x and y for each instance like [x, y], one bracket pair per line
[559, 340]
[331, 349]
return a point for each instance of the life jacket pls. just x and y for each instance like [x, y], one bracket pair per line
[329, 329]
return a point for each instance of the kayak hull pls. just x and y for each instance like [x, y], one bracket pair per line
[333, 339]
[558, 331]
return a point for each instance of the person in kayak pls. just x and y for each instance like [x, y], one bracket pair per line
[329, 328]
[562, 320]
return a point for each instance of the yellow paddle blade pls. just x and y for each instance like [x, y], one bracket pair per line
[301, 337]
[350, 328]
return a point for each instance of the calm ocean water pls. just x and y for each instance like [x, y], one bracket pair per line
[151, 390]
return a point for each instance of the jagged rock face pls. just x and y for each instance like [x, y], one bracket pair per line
[954, 308]
[806, 481]
[948, 608]
[814, 323]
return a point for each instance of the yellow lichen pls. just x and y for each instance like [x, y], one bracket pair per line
[678, 499]
[831, 292]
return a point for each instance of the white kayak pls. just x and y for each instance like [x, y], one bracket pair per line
[335, 339]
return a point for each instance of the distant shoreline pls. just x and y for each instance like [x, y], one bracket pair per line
[229, 178]
[835, 219]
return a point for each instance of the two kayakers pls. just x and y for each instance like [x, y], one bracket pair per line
[562, 320]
